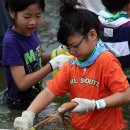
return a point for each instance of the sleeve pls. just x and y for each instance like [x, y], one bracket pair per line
[11, 55]
[115, 78]
[60, 84]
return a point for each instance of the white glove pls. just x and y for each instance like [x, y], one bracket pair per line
[86, 105]
[25, 121]
[59, 60]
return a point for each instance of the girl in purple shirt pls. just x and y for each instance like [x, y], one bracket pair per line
[22, 58]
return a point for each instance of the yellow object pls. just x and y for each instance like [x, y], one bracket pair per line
[55, 53]
[32, 128]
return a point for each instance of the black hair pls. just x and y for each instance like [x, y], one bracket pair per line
[20, 5]
[115, 5]
[75, 20]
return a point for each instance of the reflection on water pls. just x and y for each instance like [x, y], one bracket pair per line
[47, 33]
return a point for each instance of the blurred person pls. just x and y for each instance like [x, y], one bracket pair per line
[92, 5]
[115, 29]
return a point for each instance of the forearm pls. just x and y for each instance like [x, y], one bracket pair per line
[46, 57]
[118, 99]
[41, 101]
[115, 100]
[26, 120]
[25, 81]
[37, 76]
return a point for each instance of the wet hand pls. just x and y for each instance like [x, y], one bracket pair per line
[25, 121]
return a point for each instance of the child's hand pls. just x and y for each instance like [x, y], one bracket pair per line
[86, 105]
[59, 60]
[25, 121]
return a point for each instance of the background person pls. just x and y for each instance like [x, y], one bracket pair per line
[115, 29]
[92, 5]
